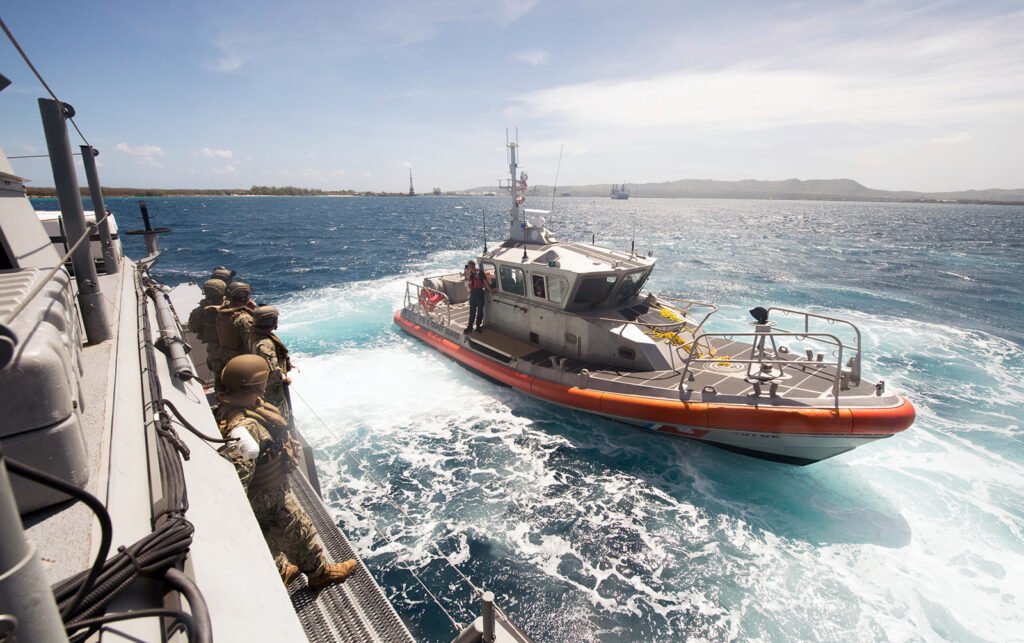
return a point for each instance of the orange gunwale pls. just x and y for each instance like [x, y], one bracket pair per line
[867, 421]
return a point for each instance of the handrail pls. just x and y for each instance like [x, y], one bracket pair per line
[685, 322]
[856, 359]
[761, 361]
[418, 298]
[89, 228]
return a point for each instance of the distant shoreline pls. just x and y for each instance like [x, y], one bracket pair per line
[42, 193]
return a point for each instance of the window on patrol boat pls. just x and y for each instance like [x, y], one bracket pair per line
[513, 280]
[538, 287]
[631, 284]
[558, 287]
[593, 290]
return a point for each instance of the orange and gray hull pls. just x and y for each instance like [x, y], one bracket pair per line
[797, 435]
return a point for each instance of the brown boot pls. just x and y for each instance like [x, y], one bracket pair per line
[334, 573]
[288, 573]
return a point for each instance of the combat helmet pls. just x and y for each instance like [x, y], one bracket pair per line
[222, 273]
[244, 372]
[214, 289]
[265, 316]
[239, 291]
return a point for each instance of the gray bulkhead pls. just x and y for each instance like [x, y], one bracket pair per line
[567, 299]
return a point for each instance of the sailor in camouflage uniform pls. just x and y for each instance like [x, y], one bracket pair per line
[264, 455]
[234, 321]
[202, 321]
[263, 341]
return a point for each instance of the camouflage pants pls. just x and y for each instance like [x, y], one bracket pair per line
[288, 529]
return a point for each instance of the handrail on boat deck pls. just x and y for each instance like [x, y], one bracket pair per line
[761, 362]
[685, 322]
[416, 302]
[855, 360]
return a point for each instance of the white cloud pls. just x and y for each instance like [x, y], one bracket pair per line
[954, 139]
[147, 154]
[227, 169]
[406, 164]
[533, 57]
[209, 153]
[933, 76]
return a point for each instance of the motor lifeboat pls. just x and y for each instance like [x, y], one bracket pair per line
[569, 323]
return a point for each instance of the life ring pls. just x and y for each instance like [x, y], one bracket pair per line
[430, 299]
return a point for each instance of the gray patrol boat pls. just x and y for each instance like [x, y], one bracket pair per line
[119, 518]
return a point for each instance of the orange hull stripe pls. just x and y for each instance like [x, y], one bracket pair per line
[858, 421]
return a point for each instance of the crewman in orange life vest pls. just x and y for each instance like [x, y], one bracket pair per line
[476, 280]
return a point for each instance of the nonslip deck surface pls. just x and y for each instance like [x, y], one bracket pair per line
[800, 378]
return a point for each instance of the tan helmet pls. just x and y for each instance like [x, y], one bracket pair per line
[222, 273]
[239, 291]
[214, 289]
[244, 372]
[265, 316]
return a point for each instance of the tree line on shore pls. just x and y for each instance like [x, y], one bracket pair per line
[256, 190]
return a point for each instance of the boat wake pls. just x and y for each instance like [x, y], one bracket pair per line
[589, 530]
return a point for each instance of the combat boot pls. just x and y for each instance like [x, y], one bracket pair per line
[334, 573]
[289, 572]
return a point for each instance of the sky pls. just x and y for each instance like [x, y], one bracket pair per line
[925, 96]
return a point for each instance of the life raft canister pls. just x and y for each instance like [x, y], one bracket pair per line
[430, 299]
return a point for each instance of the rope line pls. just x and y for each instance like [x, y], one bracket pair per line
[35, 71]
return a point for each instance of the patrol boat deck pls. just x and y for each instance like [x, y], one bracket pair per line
[102, 404]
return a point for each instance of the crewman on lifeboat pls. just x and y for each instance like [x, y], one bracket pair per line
[477, 283]
[264, 453]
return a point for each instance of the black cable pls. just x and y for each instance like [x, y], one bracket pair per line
[185, 423]
[43, 478]
[91, 623]
[203, 630]
[151, 556]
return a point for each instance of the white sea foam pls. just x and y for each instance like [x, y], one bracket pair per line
[914, 537]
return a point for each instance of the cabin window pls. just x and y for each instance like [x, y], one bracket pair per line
[538, 287]
[513, 280]
[631, 284]
[627, 353]
[593, 290]
[557, 289]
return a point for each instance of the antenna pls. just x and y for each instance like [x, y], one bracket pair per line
[483, 215]
[554, 189]
[632, 242]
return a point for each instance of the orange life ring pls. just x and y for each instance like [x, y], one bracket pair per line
[430, 299]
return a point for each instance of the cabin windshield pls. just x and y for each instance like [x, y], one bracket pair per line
[593, 290]
[630, 285]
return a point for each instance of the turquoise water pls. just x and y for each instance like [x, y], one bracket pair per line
[588, 530]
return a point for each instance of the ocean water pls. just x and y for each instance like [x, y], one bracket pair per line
[588, 530]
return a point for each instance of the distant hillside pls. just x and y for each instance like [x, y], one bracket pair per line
[816, 189]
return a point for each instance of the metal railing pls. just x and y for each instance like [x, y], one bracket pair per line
[417, 298]
[766, 372]
[669, 331]
[855, 361]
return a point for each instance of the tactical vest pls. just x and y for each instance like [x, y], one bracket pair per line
[231, 341]
[275, 461]
[208, 318]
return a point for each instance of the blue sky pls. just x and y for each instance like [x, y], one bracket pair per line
[897, 95]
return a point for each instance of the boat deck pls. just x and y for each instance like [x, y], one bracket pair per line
[801, 378]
